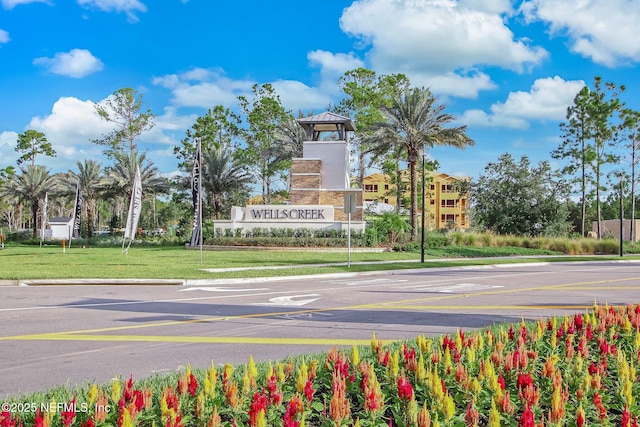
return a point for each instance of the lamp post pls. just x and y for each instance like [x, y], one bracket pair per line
[422, 153]
[621, 178]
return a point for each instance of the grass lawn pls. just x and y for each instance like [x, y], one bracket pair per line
[49, 262]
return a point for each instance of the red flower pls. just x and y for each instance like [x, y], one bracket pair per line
[524, 380]
[626, 418]
[405, 390]
[308, 391]
[501, 382]
[69, 415]
[258, 404]
[527, 419]
[193, 385]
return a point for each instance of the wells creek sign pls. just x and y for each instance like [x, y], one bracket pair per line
[288, 213]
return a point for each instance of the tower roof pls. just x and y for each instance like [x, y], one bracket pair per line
[327, 121]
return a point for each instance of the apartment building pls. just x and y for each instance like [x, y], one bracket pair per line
[445, 203]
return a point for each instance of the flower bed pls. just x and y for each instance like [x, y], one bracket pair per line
[578, 370]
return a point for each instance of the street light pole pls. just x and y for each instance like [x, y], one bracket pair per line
[423, 194]
[621, 216]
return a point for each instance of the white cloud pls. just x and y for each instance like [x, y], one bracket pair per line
[333, 66]
[428, 38]
[76, 63]
[203, 88]
[604, 31]
[4, 37]
[8, 154]
[10, 4]
[73, 123]
[547, 99]
[298, 96]
[127, 6]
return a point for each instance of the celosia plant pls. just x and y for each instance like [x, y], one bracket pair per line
[579, 370]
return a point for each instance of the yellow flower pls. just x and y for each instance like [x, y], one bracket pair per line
[355, 355]
[421, 371]
[116, 390]
[302, 378]
[494, 416]
[93, 394]
[210, 381]
[252, 371]
[261, 419]
[394, 363]
[449, 407]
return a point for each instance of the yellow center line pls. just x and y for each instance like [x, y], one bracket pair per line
[193, 339]
[89, 334]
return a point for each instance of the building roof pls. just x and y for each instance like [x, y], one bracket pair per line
[327, 121]
[60, 219]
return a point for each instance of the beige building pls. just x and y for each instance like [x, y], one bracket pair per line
[445, 204]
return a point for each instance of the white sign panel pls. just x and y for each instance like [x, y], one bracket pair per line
[285, 213]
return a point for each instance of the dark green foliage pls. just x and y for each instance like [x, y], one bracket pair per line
[532, 199]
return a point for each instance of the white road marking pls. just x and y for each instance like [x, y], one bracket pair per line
[289, 300]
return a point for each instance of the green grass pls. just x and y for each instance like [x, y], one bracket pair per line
[49, 262]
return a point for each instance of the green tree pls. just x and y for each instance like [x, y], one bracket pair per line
[366, 93]
[118, 180]
[29, 187]
[416, 121]
[602, 105]
[517, 198]
[219, 127]
[577, 149]
[32, 143]
[222, 175]
[124, 109]
[90, 178]
[631, 131]
[264, 116]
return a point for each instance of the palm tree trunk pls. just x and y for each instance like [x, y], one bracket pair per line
[414, 196]
[34, 217]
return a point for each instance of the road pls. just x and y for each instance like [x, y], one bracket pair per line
[73, 334]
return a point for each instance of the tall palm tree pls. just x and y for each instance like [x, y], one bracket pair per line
[416, 121]
[118, 178]
[222, 174]
[90, 177]
[29, 187]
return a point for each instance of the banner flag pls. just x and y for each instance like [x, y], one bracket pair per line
[134, 207]
[196, 193]
[77, 213]
[44, 214]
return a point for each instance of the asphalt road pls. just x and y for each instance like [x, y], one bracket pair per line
[73, 334]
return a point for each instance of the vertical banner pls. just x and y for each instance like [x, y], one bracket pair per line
[196, 193]
[77, 213]
[44, 215]
[135, 206]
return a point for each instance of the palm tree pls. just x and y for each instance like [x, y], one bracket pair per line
[118, 179]
[90, 178]
[29, 187]
[415, 121]
[222, 174]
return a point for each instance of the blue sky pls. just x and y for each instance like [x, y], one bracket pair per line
[508, 70]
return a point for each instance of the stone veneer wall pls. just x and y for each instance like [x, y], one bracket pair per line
[306, 166]
[336, 198]
[306, 189]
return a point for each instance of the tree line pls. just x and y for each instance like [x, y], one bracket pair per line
[397, 123]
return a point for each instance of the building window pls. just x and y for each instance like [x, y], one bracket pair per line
[386, 186]
[446, 188]
[433, 187]
[432, 201]
[371, 188]
[448, 203]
